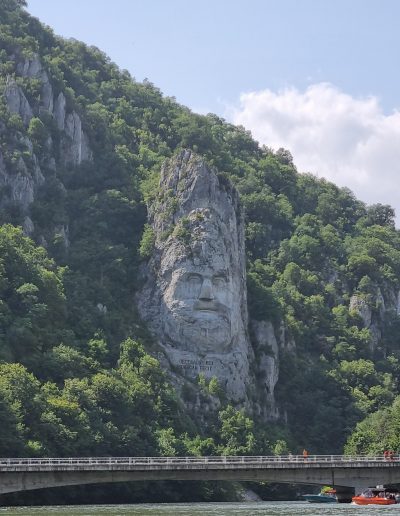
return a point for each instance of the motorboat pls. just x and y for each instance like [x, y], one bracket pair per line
[325, 496]
[378, 495]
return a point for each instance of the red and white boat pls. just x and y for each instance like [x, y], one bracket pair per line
[377, 496]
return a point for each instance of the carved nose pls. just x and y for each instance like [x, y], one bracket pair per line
[206, 290]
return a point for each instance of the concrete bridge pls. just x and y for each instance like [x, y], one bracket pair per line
[344, 472]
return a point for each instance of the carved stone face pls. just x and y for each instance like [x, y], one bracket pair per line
[201, 296]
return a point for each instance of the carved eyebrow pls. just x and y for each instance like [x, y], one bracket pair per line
[193, 275]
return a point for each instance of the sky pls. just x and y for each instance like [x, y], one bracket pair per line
[320, 78]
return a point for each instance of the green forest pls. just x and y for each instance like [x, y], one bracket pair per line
[78, 371]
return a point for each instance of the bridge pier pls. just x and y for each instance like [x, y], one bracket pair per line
[344, 494]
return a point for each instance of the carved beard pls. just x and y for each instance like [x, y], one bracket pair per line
[197, 330]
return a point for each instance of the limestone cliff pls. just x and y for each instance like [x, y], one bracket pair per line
[17, 102]
[373, 308]
[266, 367]
[23, 174]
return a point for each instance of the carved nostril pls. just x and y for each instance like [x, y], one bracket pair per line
[206, 291]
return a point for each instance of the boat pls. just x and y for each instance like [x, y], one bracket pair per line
[325, 496]
[378, 495]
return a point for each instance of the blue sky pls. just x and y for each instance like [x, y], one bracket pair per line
[319, 77]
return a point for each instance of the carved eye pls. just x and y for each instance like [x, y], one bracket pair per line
[219, 281]
[193, 279]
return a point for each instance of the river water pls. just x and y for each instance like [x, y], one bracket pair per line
[212, 509]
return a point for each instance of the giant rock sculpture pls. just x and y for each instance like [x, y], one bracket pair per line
[194, 297]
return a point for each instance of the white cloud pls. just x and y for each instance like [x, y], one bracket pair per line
[347, 140]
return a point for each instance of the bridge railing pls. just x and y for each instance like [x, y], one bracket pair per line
[260, 459]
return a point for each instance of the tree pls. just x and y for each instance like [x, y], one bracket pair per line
[38, 133]
[379, 431]
[33, 302]
[236, 432]
[381, 214]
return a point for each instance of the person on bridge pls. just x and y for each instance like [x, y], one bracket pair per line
[305, 454]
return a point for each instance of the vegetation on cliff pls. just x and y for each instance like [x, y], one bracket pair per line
[77, 373]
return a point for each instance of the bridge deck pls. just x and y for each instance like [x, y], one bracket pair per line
[21, 474]
[194, 463]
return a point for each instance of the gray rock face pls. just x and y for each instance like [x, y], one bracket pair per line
[75, 147]
[360, 306]
[267, 365]
[373, 310]
[59, 111]
[22, 184]
[30, 67]
[62, 233]
[17, 102]
[28, 226]
[74, 143]
[33, 68]
[194, 299]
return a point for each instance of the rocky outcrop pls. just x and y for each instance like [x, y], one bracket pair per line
[194, 298]
[33, 68]
[267, 366]
[21, 181]
[74, 142]
[60, 110]
[28, 226]
[30, 67]
[61, 233]
[21, 184]
[372, 310]
[75, 145]
[17, 102]
[360, 305]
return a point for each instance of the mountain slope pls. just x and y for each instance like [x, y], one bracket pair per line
[81, 147]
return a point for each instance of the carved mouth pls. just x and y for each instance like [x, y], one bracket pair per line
[207, 307]
[212, 308]
[207, 311]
